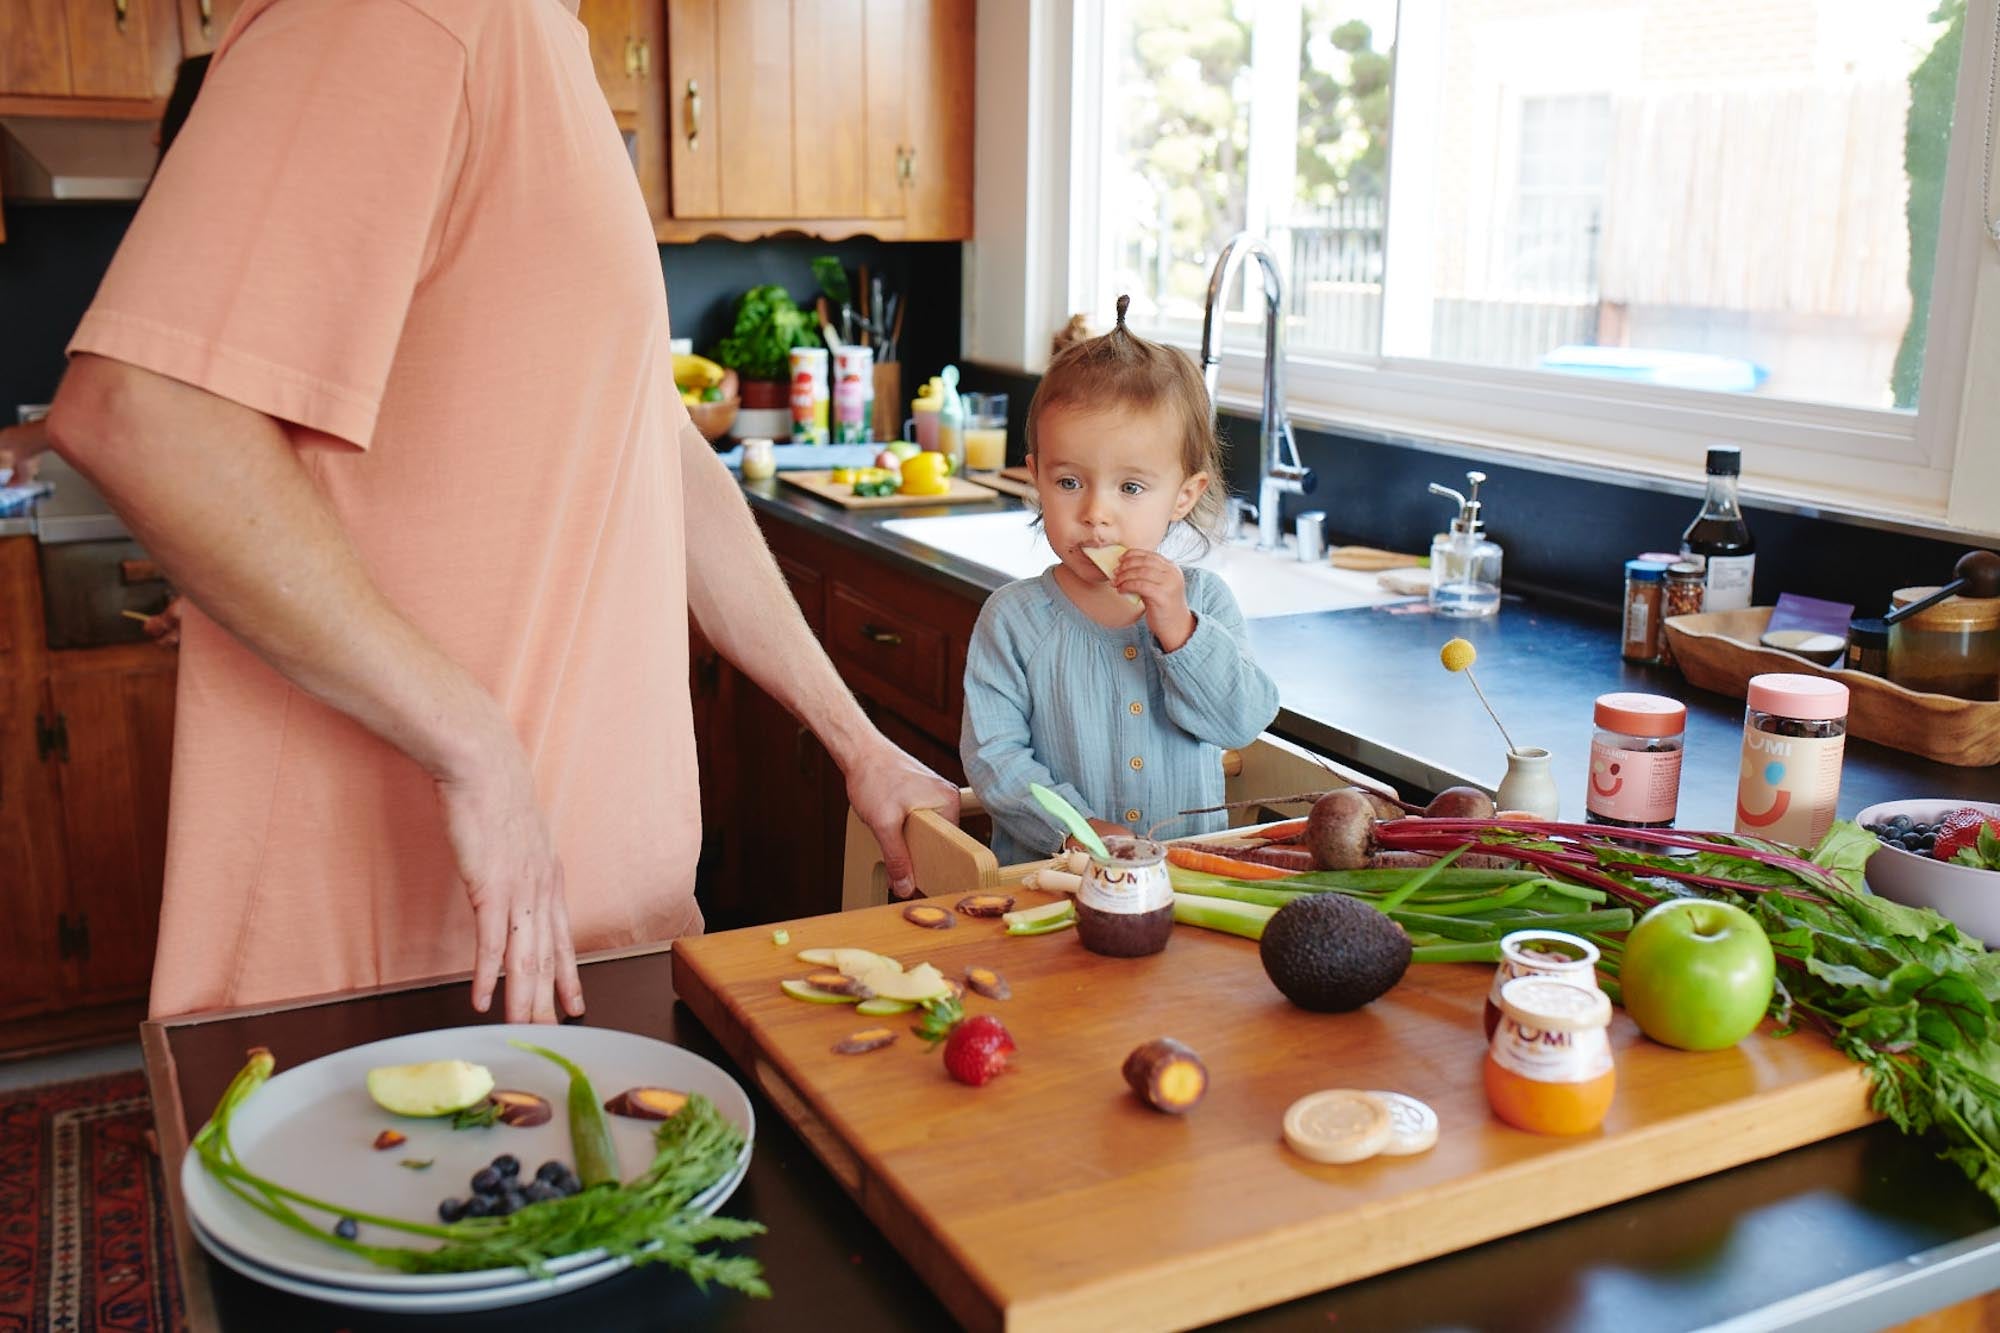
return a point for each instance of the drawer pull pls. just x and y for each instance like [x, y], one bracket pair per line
[693, 116]
[120, 9]
[139, 571]
[888, 638]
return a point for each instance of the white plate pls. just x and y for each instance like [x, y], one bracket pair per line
[313, 1129]
[413, 1302]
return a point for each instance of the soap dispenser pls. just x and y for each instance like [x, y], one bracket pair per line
[1465, 564]
[951, 423]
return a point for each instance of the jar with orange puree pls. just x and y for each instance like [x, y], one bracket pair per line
[1549, 1068]
[1540, 953]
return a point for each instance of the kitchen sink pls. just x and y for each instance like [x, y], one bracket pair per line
[1265, 583]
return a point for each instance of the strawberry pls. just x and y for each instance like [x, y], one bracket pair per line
[977, 1050]
[1960, 831]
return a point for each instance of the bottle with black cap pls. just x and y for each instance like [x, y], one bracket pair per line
[1719, 539]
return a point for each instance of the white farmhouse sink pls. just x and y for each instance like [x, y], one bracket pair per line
[1265, 584]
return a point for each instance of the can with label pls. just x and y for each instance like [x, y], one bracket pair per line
[853, 394]
[809, 395]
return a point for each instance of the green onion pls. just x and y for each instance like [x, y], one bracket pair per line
[589, 1135]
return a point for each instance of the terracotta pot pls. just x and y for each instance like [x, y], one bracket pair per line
[766, 394]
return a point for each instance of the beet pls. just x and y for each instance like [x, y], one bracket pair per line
[1341, 829]
[1460, 803]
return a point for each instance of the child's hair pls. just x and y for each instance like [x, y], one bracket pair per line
[1121, 369]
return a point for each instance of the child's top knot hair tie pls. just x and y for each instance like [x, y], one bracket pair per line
[1123, 301]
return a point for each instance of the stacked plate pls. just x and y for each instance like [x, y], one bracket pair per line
[313, 1129]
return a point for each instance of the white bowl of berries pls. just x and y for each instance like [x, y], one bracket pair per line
[1944, 855]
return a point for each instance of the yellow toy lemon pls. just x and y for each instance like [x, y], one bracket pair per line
[925, 474]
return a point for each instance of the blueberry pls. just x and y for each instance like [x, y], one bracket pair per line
[569, 1184]
[450, 1211]
[513, 1201]
[347, 1228]
[541, 1191]
[1912, 843]
[1900, 822]
[1928, 841]
[507, 1165]
[488, 1181]
[479, 1205]
[551, 1171]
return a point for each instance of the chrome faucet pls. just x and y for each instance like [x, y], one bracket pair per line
[1279, 471]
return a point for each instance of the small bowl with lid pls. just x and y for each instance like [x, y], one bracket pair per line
[1969, 896]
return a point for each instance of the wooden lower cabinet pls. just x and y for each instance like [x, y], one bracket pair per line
[774, 804]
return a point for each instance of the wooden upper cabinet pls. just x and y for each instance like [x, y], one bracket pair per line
[117, 49]
[621, 53]
[837, 116]
[203, 22]
[938, 176]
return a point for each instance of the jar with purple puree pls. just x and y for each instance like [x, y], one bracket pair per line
[1125, 907]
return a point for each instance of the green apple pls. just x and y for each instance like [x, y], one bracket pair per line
[1697, 974]
[903, 449]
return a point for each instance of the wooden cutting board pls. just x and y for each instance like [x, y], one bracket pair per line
[1052, 1200]
[823, 485]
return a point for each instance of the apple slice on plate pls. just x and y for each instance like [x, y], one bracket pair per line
[1106, 558]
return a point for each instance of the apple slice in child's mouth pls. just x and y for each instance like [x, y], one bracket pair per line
[1106, 558]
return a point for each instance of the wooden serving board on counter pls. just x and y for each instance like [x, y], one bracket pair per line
[1051, 1199]
[823, 485]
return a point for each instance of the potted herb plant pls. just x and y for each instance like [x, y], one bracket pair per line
[769, 324]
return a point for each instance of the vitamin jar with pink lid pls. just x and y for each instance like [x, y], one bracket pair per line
[1635, 761]
[1794, 736]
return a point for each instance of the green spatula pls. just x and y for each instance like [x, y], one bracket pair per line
[1078, 826]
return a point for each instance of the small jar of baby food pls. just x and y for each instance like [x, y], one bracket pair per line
[1635, 761]
[760, 460]
[1540, 953]
[1549, 1070]
[1125, 907]
[1794, 737]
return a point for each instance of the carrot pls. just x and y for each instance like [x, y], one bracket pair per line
[1289, 831]
[1282, 856]
[1187, 858]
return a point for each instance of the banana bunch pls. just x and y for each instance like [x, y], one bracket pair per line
[695, 372]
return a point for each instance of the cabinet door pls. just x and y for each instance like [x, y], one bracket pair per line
[122, 48]
[830, 131]
[615, 50]
[31, 870]
[203, 22]
[116, 707]
[754, 108]
[34, 48]
[694, 159]
[938, 200]
[886, 62]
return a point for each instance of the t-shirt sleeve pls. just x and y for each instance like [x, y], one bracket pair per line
[276, 253]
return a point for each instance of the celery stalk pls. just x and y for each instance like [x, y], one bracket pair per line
[1231, 918]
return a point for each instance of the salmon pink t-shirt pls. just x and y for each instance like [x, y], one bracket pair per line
[408, 230]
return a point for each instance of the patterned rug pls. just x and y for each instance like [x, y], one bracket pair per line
[85, 1241]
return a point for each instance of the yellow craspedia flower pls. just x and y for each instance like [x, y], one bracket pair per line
[1457, 655]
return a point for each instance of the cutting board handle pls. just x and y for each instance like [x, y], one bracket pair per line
[944, 858]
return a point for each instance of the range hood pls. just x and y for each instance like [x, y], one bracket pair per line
[54, 158]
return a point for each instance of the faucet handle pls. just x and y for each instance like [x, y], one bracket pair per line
[1241, 514]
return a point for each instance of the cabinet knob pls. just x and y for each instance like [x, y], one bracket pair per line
[645, 58]
[206, 8]
[121, 8]
[693, 115]
[888, 638]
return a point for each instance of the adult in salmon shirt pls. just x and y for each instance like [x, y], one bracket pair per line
[381, 376]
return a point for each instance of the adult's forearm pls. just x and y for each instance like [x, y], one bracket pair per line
[740, 599]
[216, 493]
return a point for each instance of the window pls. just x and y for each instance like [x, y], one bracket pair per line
[1632, 225]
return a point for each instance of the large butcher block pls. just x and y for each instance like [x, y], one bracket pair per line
[1052, 1198]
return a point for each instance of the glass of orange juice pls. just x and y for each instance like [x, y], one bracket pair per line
[985, 431]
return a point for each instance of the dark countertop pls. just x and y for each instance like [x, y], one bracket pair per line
[1858, 1232]
[1365, 686]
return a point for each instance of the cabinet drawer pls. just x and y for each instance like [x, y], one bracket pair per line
[808, 590]
[892, 647]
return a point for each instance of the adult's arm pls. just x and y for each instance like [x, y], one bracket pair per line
[742, 603]
[216, 493]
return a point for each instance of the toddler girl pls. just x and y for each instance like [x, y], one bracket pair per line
[1115, 677]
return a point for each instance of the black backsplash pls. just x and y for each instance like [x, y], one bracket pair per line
[1566, 536]
[54, 255]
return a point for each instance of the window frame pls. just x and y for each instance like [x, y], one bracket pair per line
[1933, 468]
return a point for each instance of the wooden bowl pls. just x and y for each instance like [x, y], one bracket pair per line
[713, 420]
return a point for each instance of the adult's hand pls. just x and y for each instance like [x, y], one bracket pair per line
[507, 859]
[884, 785]
[165, 628]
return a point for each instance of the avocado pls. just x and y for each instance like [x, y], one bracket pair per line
[1329, 953]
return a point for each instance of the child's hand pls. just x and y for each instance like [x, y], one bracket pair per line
[1158, 583]
[1105, 829]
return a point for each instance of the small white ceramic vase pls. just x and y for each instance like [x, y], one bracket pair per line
[1529, 785]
